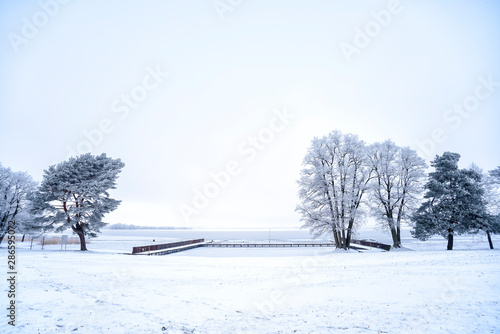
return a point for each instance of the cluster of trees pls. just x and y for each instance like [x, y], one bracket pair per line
[343, 178]
[72, 195]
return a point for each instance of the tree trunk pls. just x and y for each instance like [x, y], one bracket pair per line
[450, 241]
[398, 223]
[348, 239]
[394, 231]
[83, 245]
[3, 228]
[398, 234]
[338, 239]
[23, 237]
[343, 239]
[394, 235]
[78, 229]
[337, 243]
[349, 233]
[489, 239]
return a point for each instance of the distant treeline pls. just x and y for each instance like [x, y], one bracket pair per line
[137, 227]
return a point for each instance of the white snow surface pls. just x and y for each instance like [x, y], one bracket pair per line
[420, 289]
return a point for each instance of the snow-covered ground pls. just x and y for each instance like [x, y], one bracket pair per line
[420, 289]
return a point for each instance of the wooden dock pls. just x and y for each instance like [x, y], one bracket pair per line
[371, 244]
[256, 245]
[276, 245]
[168, 248]
[174, 247]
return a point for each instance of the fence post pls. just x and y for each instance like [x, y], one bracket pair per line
[64, 241]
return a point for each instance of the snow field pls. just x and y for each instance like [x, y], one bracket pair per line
[213, 290]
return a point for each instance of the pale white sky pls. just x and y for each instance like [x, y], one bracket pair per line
[92, 76]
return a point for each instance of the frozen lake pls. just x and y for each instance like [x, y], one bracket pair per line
[123, 240]
[216, 234]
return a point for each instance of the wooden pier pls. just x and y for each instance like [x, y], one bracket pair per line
[168, 248]
[174, 247]
[256, 245]
[371, 244]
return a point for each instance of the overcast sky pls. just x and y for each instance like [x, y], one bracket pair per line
[185, 92]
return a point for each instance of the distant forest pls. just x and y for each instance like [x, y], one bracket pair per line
[136, 227]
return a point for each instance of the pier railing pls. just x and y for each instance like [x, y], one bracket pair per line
[157, 247]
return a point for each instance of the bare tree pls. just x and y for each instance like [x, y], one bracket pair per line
[332, 184]
[15, 188]
[492, 198]
[399, 174]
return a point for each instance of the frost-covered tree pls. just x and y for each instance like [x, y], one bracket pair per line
[74, 194]
[454, 202]
[15, 187]
[492, 198]
[492, 183]
[398, 181]
[495, 176]
[332, 184]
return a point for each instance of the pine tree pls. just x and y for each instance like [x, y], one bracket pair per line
[454, 202]
[74, 194]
